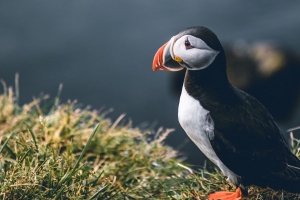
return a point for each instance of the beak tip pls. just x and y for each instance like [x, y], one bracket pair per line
[154, 67]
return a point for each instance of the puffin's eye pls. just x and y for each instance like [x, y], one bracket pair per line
[187, 44]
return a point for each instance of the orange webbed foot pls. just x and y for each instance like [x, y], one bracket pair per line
[225, 195]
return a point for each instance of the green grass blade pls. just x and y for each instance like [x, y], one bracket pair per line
[26, 153]
[59, 193]
[17, 108]
[12, 154]
[69, 174]
[6, 141]
[56, 100]
[33, 136]
[94, 182]
[86, 146]
[98, 192]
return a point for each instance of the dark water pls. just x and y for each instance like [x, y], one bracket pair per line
[102, 51]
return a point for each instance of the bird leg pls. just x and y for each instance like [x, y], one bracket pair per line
[225, 195]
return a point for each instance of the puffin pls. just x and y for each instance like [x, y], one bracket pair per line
[232, 128]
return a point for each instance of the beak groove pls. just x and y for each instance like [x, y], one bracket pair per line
[158, 59]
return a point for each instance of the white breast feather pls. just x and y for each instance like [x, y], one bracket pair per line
[199, 126]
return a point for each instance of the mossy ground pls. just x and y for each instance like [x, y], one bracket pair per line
[68, 152]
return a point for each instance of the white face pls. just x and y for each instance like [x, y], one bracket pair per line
[193, 51]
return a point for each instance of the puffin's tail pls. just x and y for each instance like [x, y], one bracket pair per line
[289, 180]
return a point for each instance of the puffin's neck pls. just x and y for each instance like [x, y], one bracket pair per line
[210, 84]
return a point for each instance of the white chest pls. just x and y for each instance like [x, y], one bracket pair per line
[194, 119]
[199, 126]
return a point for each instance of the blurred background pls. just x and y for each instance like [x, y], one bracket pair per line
[102, 52]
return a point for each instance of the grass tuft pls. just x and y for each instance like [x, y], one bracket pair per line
[76, 153]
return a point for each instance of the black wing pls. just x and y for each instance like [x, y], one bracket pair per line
[248, 141]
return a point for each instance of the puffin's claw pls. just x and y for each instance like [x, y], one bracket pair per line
[225, 195]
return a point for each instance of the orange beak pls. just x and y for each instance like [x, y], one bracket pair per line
[158, 61]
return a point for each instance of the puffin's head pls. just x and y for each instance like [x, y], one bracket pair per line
[194, 48]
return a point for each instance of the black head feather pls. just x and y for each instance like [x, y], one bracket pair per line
[204, 34]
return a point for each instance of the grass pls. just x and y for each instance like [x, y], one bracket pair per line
[71, 152]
